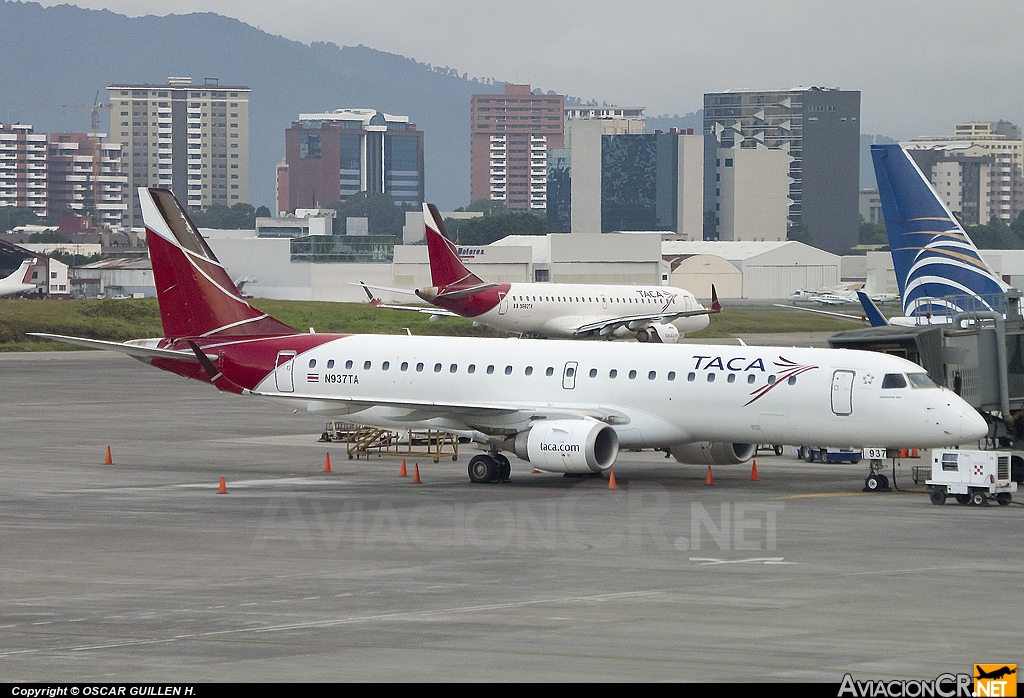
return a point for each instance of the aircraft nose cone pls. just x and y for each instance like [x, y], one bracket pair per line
[973, 426]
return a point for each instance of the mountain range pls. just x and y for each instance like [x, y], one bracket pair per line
[59, 60]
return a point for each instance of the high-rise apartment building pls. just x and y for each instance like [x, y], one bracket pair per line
[23, 168]
[85, 176]
[604, 182]
[331, 156]
[976, 171]
[510, 135]
[818, 129]
[191, 139]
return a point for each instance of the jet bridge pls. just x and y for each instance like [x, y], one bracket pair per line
[979, 356]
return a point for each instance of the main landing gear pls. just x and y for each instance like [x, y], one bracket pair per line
[489, 467]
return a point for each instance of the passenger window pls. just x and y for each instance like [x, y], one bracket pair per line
[471, 368]
[570, 372]
[751, 378]
[385, 366]
[593, 373]
[632, 374]
[771, 379]
[529, 370]
[419, 366]
[437, 368]
[894, 380]
[508, 370]
[651, 376]
[711, 378]
[330, 363]
[348, 364]
[453, 368]
[312, 363]
[792, 380]
[691, 376]
[550, 371]
[612, 373]
[405, 366]
[366, 365]
[671, 375]
[731, 378]
[490, 370]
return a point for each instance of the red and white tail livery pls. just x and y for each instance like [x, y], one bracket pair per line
[564, 406]
[20, 281]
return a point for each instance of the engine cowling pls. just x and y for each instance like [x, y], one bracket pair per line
[713, 453]
[568, 446]
[658, 334]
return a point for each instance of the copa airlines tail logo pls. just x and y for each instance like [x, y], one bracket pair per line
[943, 263]
[788, 370]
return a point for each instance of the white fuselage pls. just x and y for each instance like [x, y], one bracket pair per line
[557, 310]
[653, 395]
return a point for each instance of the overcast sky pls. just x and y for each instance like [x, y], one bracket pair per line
[921, 65]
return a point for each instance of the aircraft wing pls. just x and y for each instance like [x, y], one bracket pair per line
[844, 316]
[429, 309]
[469, 414]
[134, 350]
[405, 291]
[647, 319]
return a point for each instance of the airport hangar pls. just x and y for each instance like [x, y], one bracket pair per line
[278, 269]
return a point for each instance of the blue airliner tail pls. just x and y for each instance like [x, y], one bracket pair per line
[938, 269]
[871, 311]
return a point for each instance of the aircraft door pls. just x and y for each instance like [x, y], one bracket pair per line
[502, 302]
[569, 375]
[842, 392]
[284, 372]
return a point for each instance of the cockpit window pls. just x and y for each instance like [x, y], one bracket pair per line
[921, 380]
[894, 380]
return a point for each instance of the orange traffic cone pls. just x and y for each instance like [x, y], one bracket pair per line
[327, 463]
[223, 489]
[753, 471]
[108, 460]
[416, 474]
[914, 453]
[708, 480]
[611, 480]
[402, 472]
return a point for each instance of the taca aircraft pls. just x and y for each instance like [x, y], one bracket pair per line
[659, 314]
[564, 406]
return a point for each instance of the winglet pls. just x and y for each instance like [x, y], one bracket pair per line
[216, 377]
[375, 301]
[871, 311]
[716, 307]
[446, 267]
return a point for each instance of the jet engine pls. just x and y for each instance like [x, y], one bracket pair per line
[568, 445]
[658, 334]
[713, 453]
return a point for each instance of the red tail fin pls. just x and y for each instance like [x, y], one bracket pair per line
[446, 268]
[197, 297]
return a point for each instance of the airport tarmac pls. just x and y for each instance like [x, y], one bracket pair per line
[139, 571]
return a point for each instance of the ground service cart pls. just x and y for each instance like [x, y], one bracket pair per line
[973, 477]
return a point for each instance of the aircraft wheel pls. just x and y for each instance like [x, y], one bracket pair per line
[873, 483]
[1004, 498]
[979, 499]
[938, 496]
[504, 467]
[778, 450]
[885, 481]
[963, 499]
[482, 469]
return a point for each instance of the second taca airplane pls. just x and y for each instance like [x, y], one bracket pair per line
[564, 406]
[658, 314]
